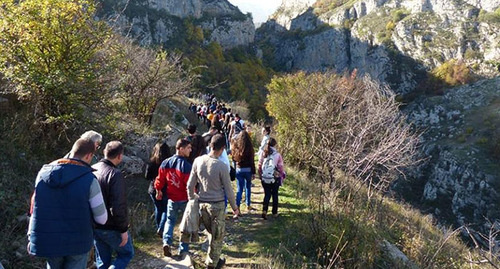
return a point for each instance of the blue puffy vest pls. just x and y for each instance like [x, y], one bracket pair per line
[61, 223]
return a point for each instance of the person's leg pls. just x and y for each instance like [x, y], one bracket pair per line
[76, 261]
[55, 263]
[180, 207]
[157, 211]
[274, 193]
[103, 250]
[123, 254]
[240, 180]
[169, 225]
[163, 213]
[218, 227]
[267, 197]
[248, 188]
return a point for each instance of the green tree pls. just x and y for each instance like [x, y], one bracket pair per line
[49, 51]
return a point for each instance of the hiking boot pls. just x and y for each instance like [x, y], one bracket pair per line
[220, 263]
[159, 233]
[166, 251]
[264, 216]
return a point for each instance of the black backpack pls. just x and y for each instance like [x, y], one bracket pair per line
[237, 127]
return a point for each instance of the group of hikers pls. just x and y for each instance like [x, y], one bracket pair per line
[80, 202]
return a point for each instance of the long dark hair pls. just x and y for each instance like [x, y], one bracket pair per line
[267, 149]
[242, 148]
[161, 151]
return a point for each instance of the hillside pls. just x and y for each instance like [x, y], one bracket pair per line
[375, 104]
[424, 50]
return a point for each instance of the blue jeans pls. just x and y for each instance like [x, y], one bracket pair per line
[174, 209]
[108, 241]
[244, 179]
[68, 262]
[160, 212]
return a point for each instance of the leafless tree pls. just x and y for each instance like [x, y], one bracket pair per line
[353, 125]
[145, 76]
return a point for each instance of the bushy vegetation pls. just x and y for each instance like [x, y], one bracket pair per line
[489, 17]
[451, 73]
[333, 128]
[235, 74]
[71, 70]
[329, 122]
[63, 73]
[342, 228]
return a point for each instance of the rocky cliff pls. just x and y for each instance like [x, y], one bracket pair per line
[163, 22]
[459, 178]
[393, 41]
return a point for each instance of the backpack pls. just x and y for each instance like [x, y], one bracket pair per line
[269, 171]
[237, 127]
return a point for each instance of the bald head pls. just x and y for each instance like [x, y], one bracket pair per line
[113, 150]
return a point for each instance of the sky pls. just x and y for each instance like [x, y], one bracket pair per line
[260, 9]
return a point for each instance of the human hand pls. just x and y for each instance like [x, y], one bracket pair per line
[236, 212]
[159, 195]
[124, 239]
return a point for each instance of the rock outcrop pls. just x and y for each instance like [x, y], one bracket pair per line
[161, 22]
[393, 41]
[460, 174]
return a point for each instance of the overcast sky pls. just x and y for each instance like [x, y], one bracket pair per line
[260, 9]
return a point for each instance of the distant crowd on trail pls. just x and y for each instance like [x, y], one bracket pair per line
[80, 202]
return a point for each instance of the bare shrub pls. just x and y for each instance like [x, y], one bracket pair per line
[330, 122]
[143, 77]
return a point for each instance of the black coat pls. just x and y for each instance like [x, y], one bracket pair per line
[113, 189]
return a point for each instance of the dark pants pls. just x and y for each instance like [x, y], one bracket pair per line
[160, 211]
[270, 190]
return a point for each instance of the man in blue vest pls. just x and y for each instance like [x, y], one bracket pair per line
[67, 197]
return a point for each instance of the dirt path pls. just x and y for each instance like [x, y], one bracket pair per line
[241, 243]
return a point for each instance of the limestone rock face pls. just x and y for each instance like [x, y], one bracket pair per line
[160, 22]
[394, 41]
[179, 8]
[460, 172]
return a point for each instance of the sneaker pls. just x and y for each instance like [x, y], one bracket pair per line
[275, 215]
[220, 263]
[264, 216]
[166, 251]
[250, 208]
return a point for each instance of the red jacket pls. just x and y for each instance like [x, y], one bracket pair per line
[174, 172]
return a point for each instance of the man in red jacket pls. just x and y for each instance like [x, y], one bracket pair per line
[174, 172]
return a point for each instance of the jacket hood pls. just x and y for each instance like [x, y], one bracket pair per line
[62, 172]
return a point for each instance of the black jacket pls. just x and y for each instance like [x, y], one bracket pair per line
[115, 196]
[151, 173]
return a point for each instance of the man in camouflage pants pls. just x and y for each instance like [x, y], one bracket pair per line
[213, 178]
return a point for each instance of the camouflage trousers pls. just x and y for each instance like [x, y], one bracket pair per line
[213, 218]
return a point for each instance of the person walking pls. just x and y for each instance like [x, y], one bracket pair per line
[198, 146]
[67, 198]
[212, 178]
[243, 155]
[160, 152]
[96, 138]
[113, 236]
[272, 174]
[266, 134]
[174, 174]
